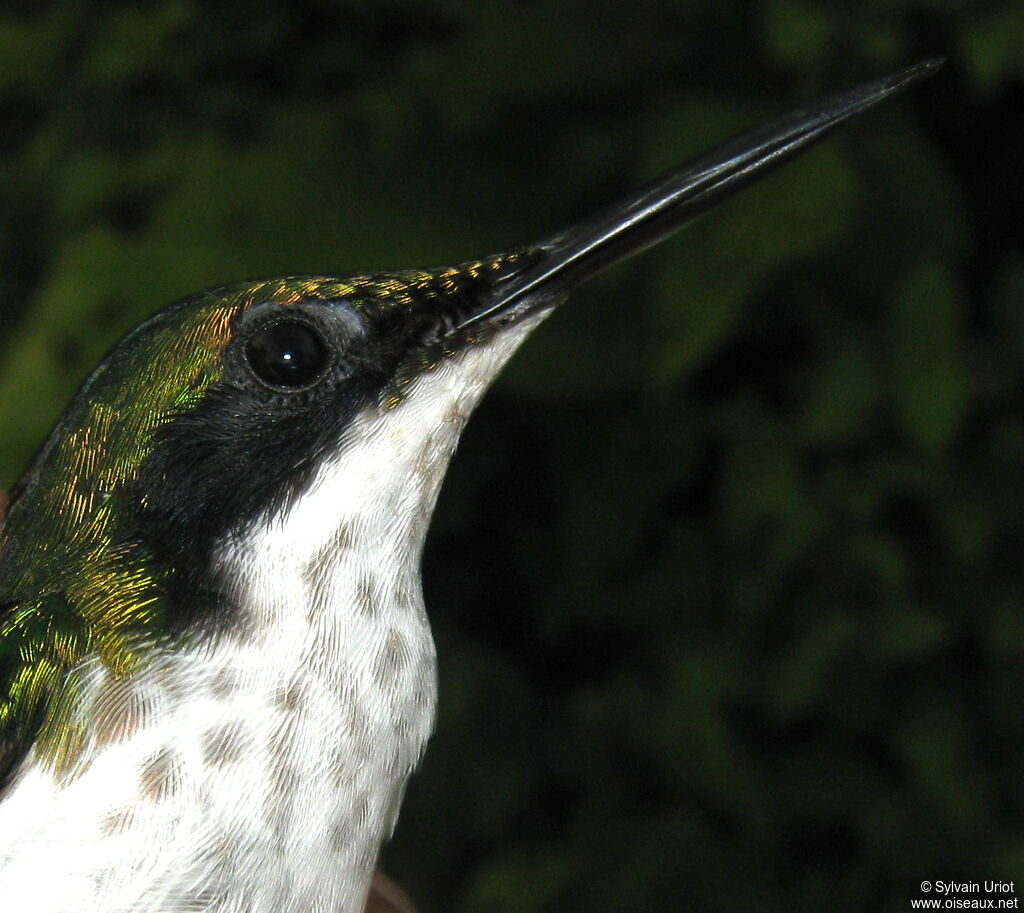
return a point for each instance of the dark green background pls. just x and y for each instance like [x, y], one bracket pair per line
[726, 579]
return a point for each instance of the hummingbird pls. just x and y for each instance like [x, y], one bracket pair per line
[216, 668]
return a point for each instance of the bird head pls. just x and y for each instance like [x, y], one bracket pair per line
[318, 412]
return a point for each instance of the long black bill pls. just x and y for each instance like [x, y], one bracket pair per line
[676, 199]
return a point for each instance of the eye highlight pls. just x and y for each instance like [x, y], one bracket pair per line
[288, 354]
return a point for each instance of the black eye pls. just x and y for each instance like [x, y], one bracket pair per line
[287, 354]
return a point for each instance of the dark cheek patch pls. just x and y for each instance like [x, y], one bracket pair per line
[224, 462]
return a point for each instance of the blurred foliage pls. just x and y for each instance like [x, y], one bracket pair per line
[726, 579]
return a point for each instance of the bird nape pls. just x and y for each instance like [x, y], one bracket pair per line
[216, 671]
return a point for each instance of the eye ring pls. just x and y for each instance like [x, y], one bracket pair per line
[288, 354]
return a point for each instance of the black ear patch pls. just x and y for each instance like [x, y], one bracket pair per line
[293, 377]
